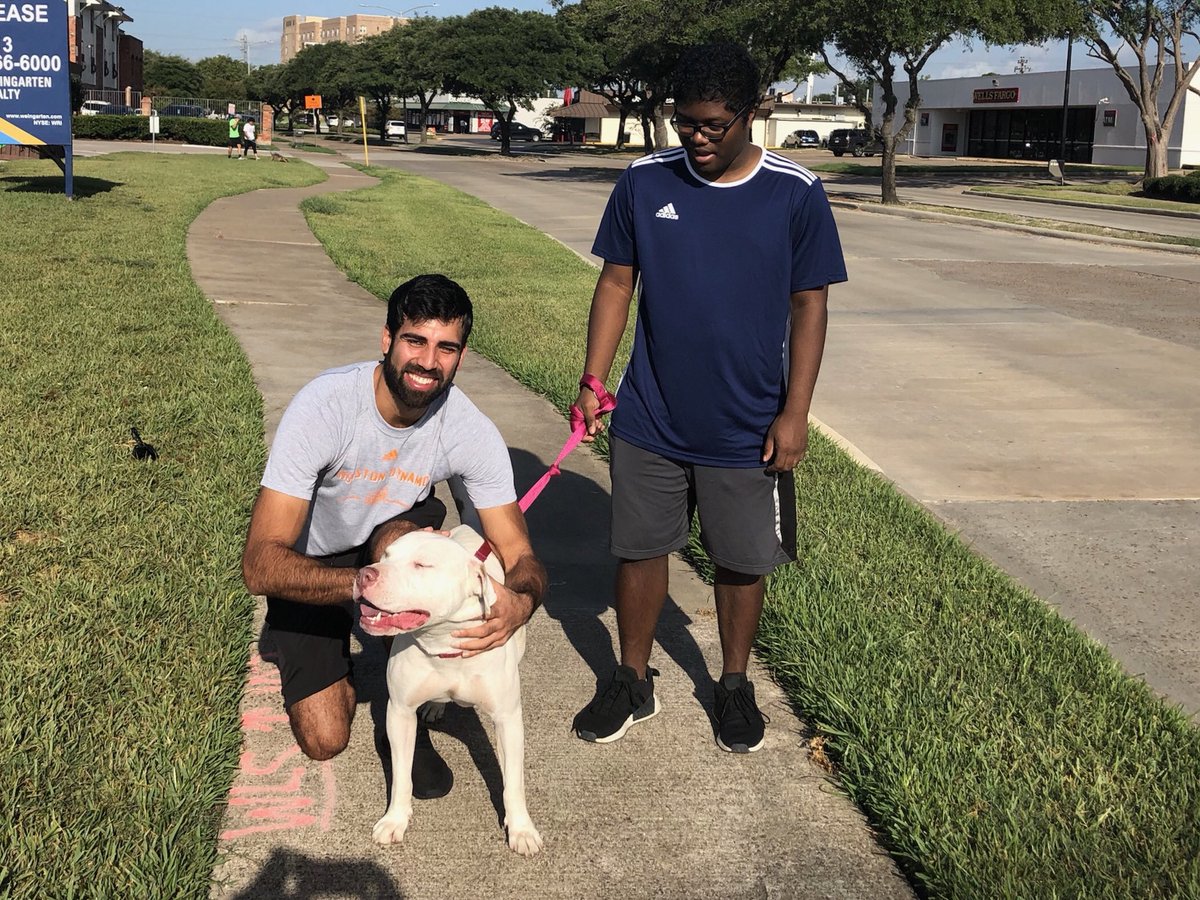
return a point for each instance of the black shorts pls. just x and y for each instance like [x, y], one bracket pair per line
[747, 516]
[250, 145]
[311, 643]
[235, 142]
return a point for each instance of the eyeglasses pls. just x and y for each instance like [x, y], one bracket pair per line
[686, 128]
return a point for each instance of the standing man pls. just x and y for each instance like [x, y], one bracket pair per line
[248, 138]
[351, 469]
[735, 248]
[235, 136]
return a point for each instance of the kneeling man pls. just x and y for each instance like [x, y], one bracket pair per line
[351, 469]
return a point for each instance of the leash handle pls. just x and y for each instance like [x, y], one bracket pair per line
[608, 403]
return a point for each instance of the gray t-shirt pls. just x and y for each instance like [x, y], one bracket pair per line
[335, 449]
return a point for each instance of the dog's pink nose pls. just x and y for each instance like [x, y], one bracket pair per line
[366, 577]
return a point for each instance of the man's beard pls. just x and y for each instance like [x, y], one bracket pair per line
[406, 396]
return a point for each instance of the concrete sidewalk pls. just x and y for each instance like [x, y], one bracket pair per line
[662, 813]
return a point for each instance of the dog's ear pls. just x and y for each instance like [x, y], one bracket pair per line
[483, 581]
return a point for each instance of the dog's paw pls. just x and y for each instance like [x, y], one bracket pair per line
[390, 829]
[524, 838]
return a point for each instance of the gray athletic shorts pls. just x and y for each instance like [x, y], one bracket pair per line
[747, 516]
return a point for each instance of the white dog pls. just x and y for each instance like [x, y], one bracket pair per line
[426, 586]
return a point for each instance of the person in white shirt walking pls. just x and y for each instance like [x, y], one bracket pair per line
[248, 138]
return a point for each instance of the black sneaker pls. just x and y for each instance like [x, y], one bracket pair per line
[740, 725]
[624, 702]
[431, 777]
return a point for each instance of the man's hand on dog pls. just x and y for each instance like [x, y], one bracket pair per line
[510, 611]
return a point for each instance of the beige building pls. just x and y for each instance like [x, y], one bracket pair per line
[304, 31]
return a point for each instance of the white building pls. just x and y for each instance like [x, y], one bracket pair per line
[1021, 117]
[593, 119]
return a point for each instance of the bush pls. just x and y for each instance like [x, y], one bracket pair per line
[209, 132]
[110, 128]
[1185, 188]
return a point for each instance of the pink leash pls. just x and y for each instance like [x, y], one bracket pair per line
[578, 428]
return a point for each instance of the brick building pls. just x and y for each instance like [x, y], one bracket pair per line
[102, 55]
[305, 31]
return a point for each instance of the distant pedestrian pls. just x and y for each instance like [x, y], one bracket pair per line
[248, 138]
[235, 135]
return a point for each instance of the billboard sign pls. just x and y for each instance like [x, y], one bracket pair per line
[35, 91]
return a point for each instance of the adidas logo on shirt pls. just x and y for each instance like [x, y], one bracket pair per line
[667, 212]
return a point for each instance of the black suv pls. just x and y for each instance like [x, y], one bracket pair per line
[858, 141]
[518, 131]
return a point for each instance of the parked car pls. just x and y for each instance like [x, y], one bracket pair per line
[394, 128]
[183, 109]
[518, 131]
[94, 108]
[858, 141]
[345, 121]
[804, 137]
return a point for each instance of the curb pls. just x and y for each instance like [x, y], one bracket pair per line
[843, 203]
[1083, 204]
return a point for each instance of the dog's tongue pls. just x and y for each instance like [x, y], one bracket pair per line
[405, 620]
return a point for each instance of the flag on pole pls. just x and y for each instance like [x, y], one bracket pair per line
[568, 96]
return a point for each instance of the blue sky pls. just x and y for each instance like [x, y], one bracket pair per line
[195, 30]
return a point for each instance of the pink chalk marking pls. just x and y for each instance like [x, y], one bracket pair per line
[284, 820]
[261, 719]
[291, 786]
[246, 764]
[278, 803]
[271, 807]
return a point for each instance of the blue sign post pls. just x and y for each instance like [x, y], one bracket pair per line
[35, 80]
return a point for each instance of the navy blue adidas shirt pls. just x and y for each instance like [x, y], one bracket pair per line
[718, 264]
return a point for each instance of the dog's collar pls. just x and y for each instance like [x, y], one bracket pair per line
[450, 655]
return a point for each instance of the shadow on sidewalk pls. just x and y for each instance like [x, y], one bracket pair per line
[288, 875]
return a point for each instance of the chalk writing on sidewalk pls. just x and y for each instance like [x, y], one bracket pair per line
[275, 790]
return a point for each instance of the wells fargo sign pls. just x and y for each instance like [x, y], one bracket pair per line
[996, 95]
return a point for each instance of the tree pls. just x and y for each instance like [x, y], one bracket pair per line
[614, 67]
[337, 80]
[507, 58]
[641, 40]
[315, 68]
[1155, 31]
[420, 63]
[170, 76]
[375, 74]
[222, 78]
[886, 40]
[798, 69]
[267, 84]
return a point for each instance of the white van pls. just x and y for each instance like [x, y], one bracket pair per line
[394, 128]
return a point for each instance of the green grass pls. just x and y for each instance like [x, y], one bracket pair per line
[1113, 193]
[998, 751]
[1150, 237]
[312, 148]
[123, 621]
[982, 170]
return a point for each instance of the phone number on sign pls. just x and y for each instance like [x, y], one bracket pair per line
[30, 63]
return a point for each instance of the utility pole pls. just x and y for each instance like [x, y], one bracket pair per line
[245, 39]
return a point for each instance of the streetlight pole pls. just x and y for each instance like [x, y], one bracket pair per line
[1062, 149]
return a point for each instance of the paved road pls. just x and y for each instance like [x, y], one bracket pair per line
[1040, 395]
